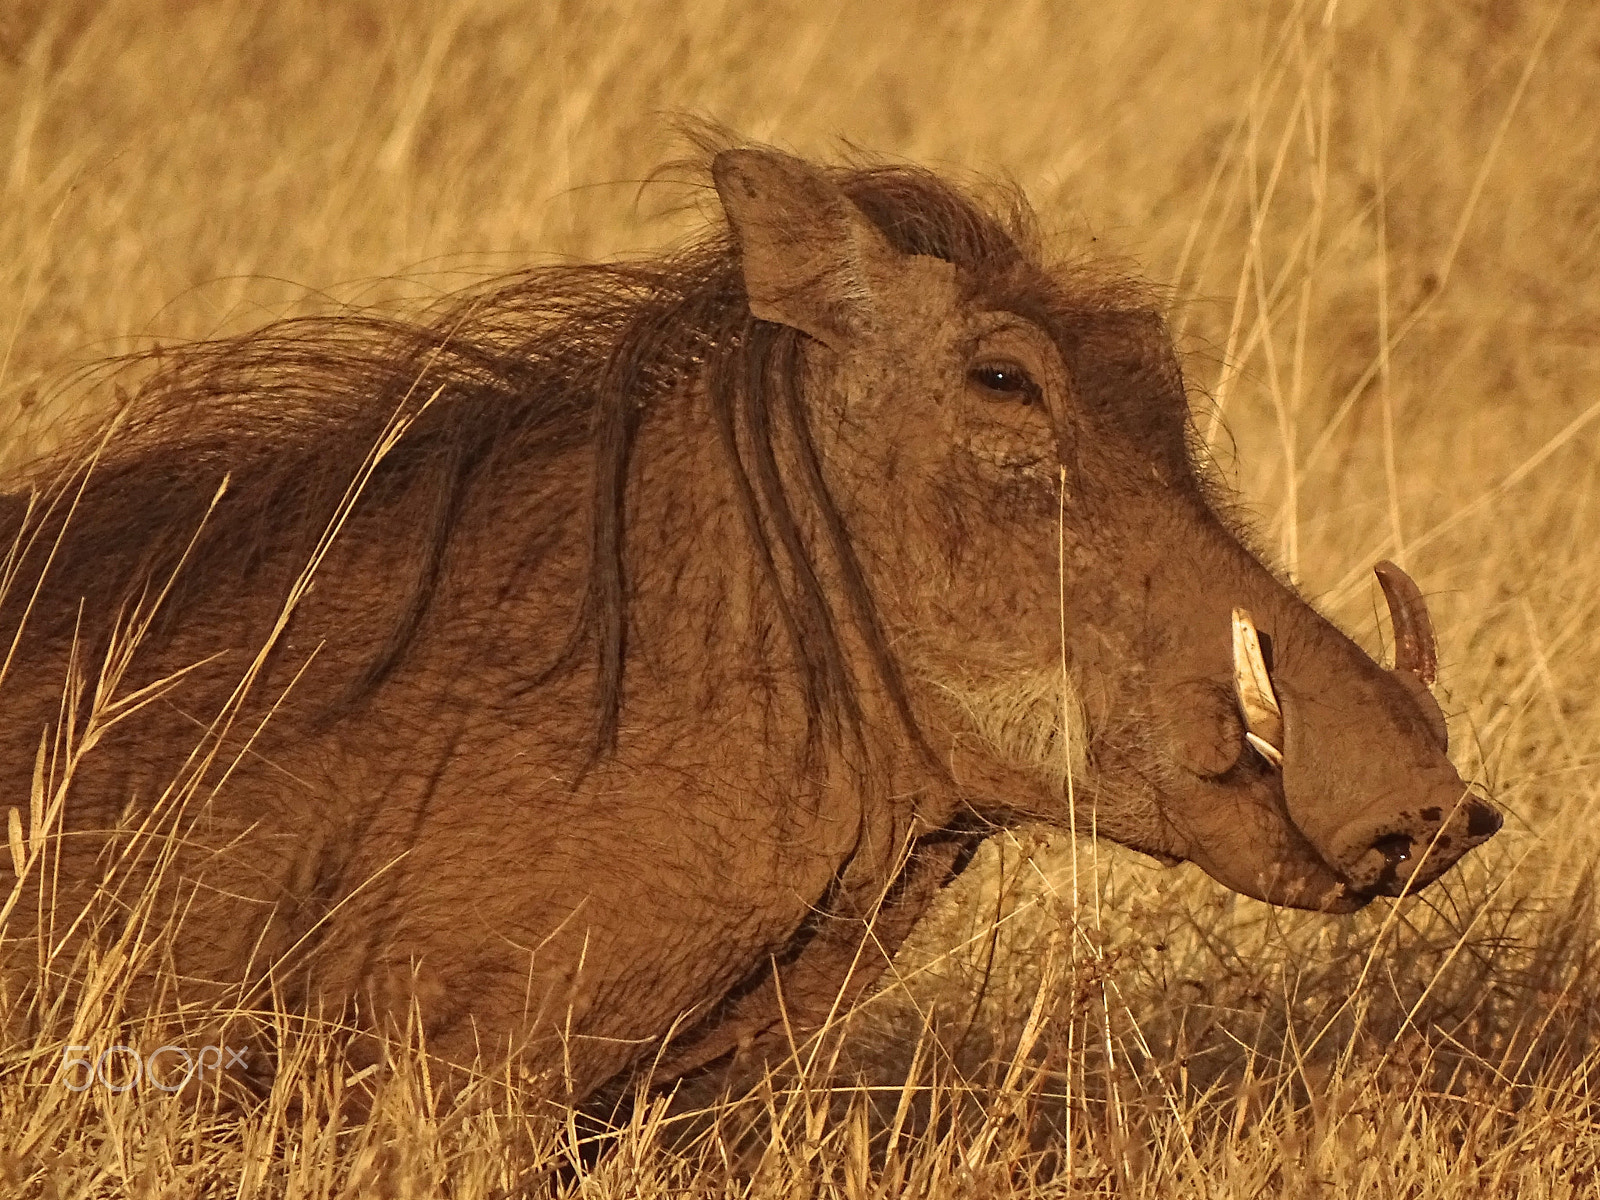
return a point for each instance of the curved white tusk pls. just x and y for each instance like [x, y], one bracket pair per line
[1266, 749]
[1258, 703]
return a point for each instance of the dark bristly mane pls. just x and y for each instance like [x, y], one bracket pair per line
[517, 371]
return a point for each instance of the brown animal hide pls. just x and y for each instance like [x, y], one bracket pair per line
[611, 665]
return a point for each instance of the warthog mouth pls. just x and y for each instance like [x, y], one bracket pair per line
[1240, 824]
[1033, 721]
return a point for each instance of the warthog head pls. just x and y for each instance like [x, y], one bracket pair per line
[1010, 450]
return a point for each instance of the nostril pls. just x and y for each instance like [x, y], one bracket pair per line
[1482, 821]
[1395, 848]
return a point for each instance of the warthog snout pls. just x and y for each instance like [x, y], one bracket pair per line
[1391, 854]
[1362, 751]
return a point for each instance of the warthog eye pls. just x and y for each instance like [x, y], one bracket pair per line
[1005, 379]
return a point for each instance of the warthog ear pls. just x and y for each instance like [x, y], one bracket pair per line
[812, 259]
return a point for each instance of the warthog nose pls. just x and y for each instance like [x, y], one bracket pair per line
[1389, 855]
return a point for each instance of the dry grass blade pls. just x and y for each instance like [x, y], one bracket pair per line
[19, 852]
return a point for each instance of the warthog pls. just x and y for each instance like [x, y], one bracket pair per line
[611, 666]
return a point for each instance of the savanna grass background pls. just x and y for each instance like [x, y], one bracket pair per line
[1378, 230]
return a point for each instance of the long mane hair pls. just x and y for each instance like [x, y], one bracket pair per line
[522, 370]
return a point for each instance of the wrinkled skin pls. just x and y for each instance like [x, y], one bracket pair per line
[707, 884]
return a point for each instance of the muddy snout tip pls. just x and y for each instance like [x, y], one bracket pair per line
[1405, 853]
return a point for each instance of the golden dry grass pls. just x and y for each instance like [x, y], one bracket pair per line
[1380, 226]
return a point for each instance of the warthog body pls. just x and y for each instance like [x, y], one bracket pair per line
[690, 618]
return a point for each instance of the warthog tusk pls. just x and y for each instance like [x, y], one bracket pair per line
[1414, 648]
[1263, 719]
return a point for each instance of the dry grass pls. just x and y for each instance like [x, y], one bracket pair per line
[1381, 227]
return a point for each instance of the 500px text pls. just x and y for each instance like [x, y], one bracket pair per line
[168, 1068]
